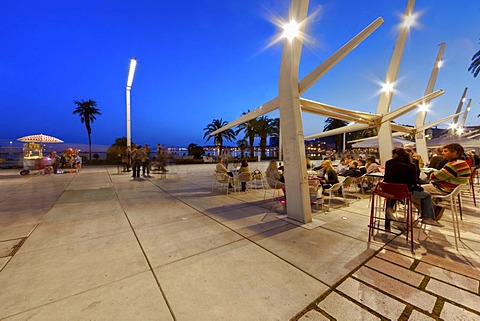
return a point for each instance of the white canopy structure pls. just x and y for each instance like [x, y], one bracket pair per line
[373, 143]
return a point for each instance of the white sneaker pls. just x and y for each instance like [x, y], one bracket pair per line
[431, 221]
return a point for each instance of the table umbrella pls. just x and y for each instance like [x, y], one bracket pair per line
[39, 138]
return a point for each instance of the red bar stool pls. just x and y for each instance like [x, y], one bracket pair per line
[391, 191]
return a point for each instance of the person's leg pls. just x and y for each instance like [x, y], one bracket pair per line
[244, 186]
[432, 190]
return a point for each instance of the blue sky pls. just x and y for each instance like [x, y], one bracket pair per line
[200, 60]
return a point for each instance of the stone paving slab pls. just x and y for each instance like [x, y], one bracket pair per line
[99, 245]
[106, 302]
[232, 277]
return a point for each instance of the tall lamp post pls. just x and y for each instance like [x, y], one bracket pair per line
[131, 72]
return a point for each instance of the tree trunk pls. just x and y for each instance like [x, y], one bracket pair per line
[89, 146]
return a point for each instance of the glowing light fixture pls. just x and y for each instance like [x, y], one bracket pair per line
[459, 131]
[131, 72]
[291, 30]
[440, 64]
[409, 21]
[423, 107]
[387, 88]
[452, 126]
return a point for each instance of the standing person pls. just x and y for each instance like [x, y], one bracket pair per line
[244, 168]
[137, 156]
[146, 161]
[455, 172]
[401, 170]
[55, 161]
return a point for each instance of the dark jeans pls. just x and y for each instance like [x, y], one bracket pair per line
[146, 167]
[136, 168]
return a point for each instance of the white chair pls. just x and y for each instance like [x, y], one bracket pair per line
[315, 191]
[452, 201]
[274, 187]
[258, 179]
[244, 177]
[222, 180]
[350, 185]
[335, 189]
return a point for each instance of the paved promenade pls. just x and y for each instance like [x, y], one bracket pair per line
[97, 245]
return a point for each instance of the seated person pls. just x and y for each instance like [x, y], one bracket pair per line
[361, 167]
[244, 168]
[401, 170]
[436, 159]
[372, 165]
[274, 176]
[330, 177]
[455, 172]
[220, 168]
[352, 170]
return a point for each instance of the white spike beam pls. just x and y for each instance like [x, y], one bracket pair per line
[381, 119]
[257, 112]
[460, 104]
[465, 113]
[395, 134]
[318, 107]
[328, 64]
[385, 142]
[296, 178]
[420, 141]
[309, 79]
[340, 130]
[401, 128]
[437, 122]
[408, 107]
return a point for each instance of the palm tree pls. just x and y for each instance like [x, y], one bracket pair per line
[249, 129]
[228, 134]
[87, 111]
[332, 123]
[265, 127]
[242, 144]
[475, 65]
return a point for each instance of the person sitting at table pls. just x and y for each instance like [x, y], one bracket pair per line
[330, 175]
[244, 168]
[455, 172]
[220, 168]
[401, 170]
[372, 165]
[362, 167]
[436, 159]
[352, 170]
[274, 175]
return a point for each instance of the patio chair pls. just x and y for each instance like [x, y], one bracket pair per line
[258, 179]
[330, 192]
[274, 187]
[391, 191]
[222, 180]
[452, 201]
[244, 177]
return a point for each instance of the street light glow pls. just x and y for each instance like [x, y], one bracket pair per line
[131, 72]
[452, 126]
[439, 64]
[291, 30]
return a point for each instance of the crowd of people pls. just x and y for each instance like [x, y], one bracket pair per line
[448, 167]
[140, 160]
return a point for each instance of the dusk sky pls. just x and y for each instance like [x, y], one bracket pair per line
[204, 59]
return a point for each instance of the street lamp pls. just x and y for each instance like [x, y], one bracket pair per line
[131, 72]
